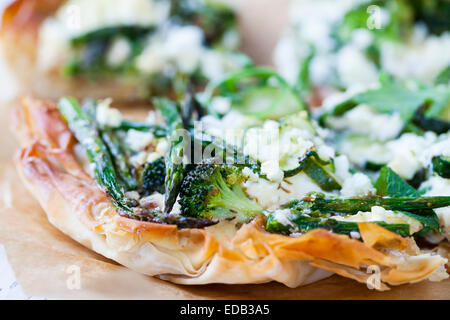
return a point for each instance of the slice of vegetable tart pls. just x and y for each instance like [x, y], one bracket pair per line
[238, 180]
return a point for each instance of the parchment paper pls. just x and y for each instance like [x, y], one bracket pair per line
[44, 261]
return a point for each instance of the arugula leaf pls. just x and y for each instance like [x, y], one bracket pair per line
[441, 165]
[399, 25]
[392, 96]
[303, 84]
[428, 219]
[443, 77]
[391, 184]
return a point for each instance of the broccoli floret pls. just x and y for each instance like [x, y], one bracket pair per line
[153, 176]
[214, 192]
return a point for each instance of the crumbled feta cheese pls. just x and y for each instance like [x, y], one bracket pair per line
[213, 64]
[402, 59]
[359, 150]
[134, 195]
[325, 152]
[152, 59]
[405, 165]
[221, 104]
[362, 38]
[138, 159]
[440, 148]
[272, 170]
[439, 186]
[138, 140]
[118, 52]
[184, 47]
[284, 217]
[364, 120]
[78, 17]
[107, 116]
[153, 156]
[270, 195]
[354, 67]
[252, 176]
[155, 200]
[162, 147]
[355, 235]
[357, 185]
[407, 152]
[342, 167]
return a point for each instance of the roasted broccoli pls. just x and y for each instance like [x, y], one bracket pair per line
[213, 192]
[153, 176]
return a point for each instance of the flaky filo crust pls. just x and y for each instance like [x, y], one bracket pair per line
[19, 38]
[220, 254]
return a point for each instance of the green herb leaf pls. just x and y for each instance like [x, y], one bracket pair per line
[391, 184]
[392, 96]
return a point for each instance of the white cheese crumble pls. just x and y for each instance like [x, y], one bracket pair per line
[312, 23]
[138, 159]
[107, 116]
[138, 140]
[439, 186]
[422, 58]
[178, 46]
[272, 170]
[118, 53]
[215, 64]
[364, 120]
[270, 195]
[342, 167]
[78, 17]
[221, 104]
[353, 67]
[184, 47]
[152, 59]
[247, 172]
[153, 156]
[156, 199]
[357, 185]
[284, 216]
[355, 235]
[407, 151]
[162, 147]
[134, 195]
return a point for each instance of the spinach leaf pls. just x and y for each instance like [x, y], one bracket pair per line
[392, 96]
[391, 184]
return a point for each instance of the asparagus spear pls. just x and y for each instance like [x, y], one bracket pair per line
[87, 134]
[305, 223]
[114, 146]
[174, 164]
[119, 159]
[226, 151]
[158, 131]
[354, 205]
